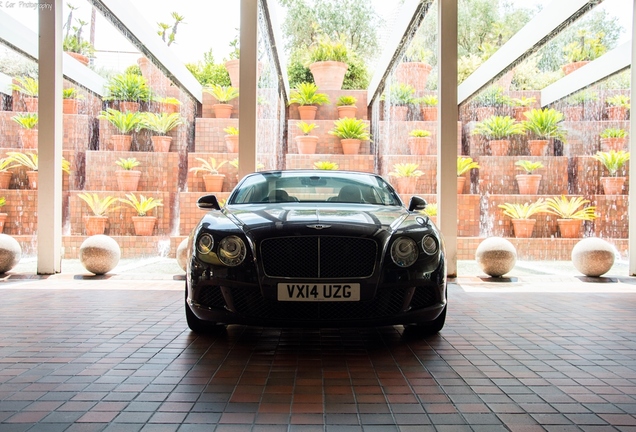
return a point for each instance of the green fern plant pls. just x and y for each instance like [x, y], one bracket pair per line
[99, 206]
[30, 161]
[612, 160]
[26, 85]
[160, 123]
[523, 211]
[223, 94]
[128, 87]
[208, 166]
[529, 166]
[306, 93]
[127, 164]
[326, 165]
[420, 133]
[306, 128]
[231, 130]
[619, 100]
[346, 100]
[565, 208]
[406, 170]
[498, 127]
[545, 123]
[350, 128]
[27, 120]
[614, 133]
[141, 205]
[124, 122]
[465, 164]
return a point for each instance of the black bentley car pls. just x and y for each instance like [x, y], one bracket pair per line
[316, 249]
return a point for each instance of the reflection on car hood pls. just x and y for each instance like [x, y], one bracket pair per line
[277, 216]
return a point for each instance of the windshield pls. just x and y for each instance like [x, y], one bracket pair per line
[290, 186]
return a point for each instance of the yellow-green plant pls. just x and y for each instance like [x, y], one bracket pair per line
[27, 120]
[585, 47]
[327, 49]
[125, 122]
[612, 160]
[428, 100]
[430, 209]
[141, 205]
[3, 201]
[498, 127]
[545, 123]
[305, 128]
[26, 85]
[223, 94]
[167, 100]
[350, 128]
[30, 161]
[306, 93]
[614, 133]
[566, 208]
[326, 165]
[523, 211]
[346, 100]
[529, 166]
[128, 87]
[127, 163]
[523, 101]
[160, 123]
[231, 130]
[99, 206]
[465, 164]
[406, 170]
[71, 93]
[208, 166]
[420, 133]
[619, 100]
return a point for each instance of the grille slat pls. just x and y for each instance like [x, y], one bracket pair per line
[324, 257]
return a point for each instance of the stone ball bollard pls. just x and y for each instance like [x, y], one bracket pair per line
[10, 253]
[183, 254]
[496, 256]
[593, 256]
[99, 254]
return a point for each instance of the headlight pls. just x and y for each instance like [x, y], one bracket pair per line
[404, 251]
[232, 251]
[205, 244]
[429, 244]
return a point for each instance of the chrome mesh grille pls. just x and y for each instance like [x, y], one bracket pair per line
[325, 257]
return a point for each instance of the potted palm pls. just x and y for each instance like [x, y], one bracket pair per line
[28, 129]
[543, 125]
[570, 214]
[328, 62]
[73, 43]
[528, 182]
[307, 97]
[28, 87]
[617, 107]
[613, 161]
[325, 165]
[223, 95]
[232, 139]
[5, 174]
[129, 90]
[95, 223]
[402, 96]
[167, 104]
[613, 139]
[351, 132]
[521, 105]
[419, 140]
[347, 106]
[233, 65]
[428, 107]
[582, 50]
[127, 177]
[464, 165]
[30, 162]
[3, 215]
[70, 100]
[212, 178]
[520, 215]
[306, 143]
[126, 123]
[144, 224]
[415, 69]
[498, 130]
[161, 124]
[406, 175]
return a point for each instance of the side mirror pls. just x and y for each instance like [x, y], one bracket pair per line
[417, 203]
[208, 202]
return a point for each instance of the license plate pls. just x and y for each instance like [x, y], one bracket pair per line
[318, 292]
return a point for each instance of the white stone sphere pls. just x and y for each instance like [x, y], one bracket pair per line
[183, 254]
[496, 256]
[99, 254]
[593, 256]
[10, 253]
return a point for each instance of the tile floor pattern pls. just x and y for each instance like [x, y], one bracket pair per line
[115, 355]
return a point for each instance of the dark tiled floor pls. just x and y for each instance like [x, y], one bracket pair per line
[109, 355]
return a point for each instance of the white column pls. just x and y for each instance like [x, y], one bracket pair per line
[447, 135]
[632, 162]
[247, 92]
[49, 231]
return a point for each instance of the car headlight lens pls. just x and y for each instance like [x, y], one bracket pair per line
[205, 244]
[232, 251]
[429, 244]
[404, 251]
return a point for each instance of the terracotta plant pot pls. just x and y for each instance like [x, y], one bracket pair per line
[569, 228]
[232, 143]
[613, 185]
[518, 113]
[399, 112]
[349, 111]
[499, 147]
[538, 147]
[31, 103]
[328, 75]
[33, 179]
[483, 113]
[616, 144]
[29, 138]
[95, 225]
[213, 182]
[79, 57]
[307, 144]
[161, 143]
[523, 227]
[128, 106]
[406, 185]
[414, 74]
[616, 113]
[3, 219]
[461, 181]
[419, 145]
[429, 113]
[528, 183]
[232, 67]
[307, 112]
[222, 110]
[571, 67]
[127, 180]
[70, 106]
[573, 113]
[5, 179]
[350, 146]
[121, 142]
[144, 225]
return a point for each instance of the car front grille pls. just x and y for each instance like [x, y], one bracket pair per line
[325, 257]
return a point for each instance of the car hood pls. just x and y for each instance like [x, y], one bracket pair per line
[368, 218]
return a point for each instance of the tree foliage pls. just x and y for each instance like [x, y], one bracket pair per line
[209, 73]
